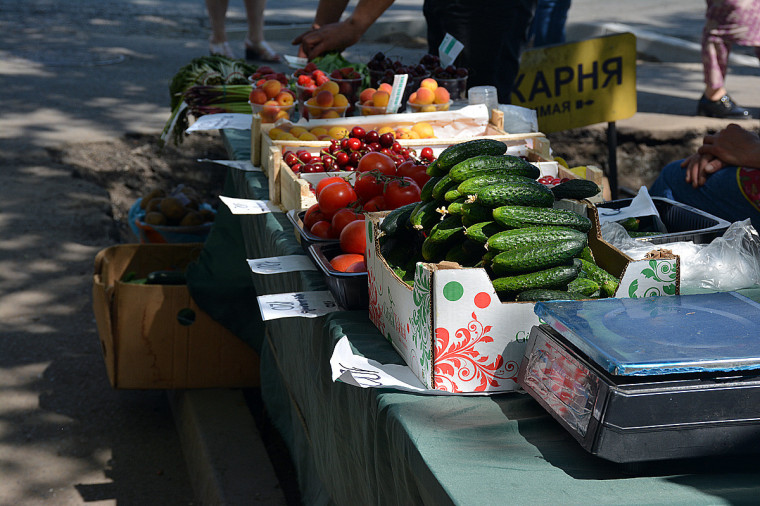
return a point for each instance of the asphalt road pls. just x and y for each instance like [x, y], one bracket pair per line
[94, 70]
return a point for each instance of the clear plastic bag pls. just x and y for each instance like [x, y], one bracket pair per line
[729, 262]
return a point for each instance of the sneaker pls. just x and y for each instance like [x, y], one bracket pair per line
[723, 108]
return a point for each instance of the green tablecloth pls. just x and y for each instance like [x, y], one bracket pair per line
[372, 446]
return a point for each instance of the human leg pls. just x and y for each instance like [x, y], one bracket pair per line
[217, 14]
[256, 48]
[719, 196]
[548, 26]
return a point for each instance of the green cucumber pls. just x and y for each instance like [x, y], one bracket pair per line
[515, 194]
[583, 286]
[455, 207]
[424, 216]
[452, 195]
[525, 216]
[426, 193]
[466, 253]
[471, 185]
[482, 231]
[457, 153]
[630, 224]
[543, 294]
[486, 164]
[472, 213]
[442, 236]
[553, 278]
[519, 237]
[575, 189]
[536, 257]
[608, 284]
[442, 186]
[397, 219]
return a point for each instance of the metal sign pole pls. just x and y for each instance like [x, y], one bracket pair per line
[612, 159]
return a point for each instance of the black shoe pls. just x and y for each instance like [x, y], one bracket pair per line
[723, 108]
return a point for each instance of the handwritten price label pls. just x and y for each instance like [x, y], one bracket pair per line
[275, 265]
[296, 304]
[246, 206]
[244, 165]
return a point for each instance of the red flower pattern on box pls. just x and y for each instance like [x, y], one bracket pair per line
[457, 361]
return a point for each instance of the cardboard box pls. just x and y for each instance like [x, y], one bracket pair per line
[155, 336]
[452, 329]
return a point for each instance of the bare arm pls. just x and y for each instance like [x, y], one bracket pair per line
[342, 34]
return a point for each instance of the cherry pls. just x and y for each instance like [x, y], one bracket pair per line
[354, 144]
[387, 139]
[358, 132]
[341, 159]
[371, 136]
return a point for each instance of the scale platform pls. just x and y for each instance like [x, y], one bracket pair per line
[650, 379]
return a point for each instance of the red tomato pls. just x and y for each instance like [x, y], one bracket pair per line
[323, 229]
[335, 196]
[313, 215]
[377, 161]
[344, 261]
[360, 266]
[375, 204]
[414, 171]
[343, 217]
[400, 192]
[328, 180]
[367, 186]
[353, 239]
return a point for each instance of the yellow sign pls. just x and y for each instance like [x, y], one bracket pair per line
[580, 83]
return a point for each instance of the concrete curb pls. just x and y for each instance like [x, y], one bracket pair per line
[225, 456]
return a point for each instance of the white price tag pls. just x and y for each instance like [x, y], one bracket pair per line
[245, 206]
[287, 263]
[295, 62]
[244, 165]
[296, 304]
[232, 120]
[397, 93]
[449, 50]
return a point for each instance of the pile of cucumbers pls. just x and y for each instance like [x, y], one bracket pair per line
[484, 208]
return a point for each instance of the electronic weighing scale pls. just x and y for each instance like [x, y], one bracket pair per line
[650, 378]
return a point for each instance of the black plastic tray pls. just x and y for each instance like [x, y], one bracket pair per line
[304, 236]
[683, 223]
[350, 289]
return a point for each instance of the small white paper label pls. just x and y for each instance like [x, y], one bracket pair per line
[221, 121]
[397, 93]
[296, 304]
[287, 263]
[295, 62]
[449, 50]
[244, 165]
[246, 206]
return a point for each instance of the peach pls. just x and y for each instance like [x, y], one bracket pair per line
[324, 98]
[330, 86]
[403, 133]
[442, 95]
[272, 87]
[366, 94]
[385, 87]
[285, 98]
[340, 100]
[381, 98]
[429, 83]
[425, 96]
[257, 96]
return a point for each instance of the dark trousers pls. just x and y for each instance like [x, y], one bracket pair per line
[493, 32]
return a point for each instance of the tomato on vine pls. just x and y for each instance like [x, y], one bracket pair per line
[400, 192]
[335, 196]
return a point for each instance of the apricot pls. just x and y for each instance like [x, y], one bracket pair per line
[442, 95]
[330, 86]
[324, 98]
[285, 98]
[296, 130]
[424, 130]
[425, 96]
[340, 100]
[272, 87]
[429, 83]
[258, 96]
[384, 130]
[381, 98]
[366, 94]
[307, 136]
[318, 131]
[386, 87]
[332, 113]
[338, 132]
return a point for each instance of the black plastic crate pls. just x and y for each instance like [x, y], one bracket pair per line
[304, 236]
[350, 289]
[682, 222]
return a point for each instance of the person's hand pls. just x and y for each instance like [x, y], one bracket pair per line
[733, 146]
[699, 167]
[334, 36]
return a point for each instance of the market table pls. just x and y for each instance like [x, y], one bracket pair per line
[380, 446]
